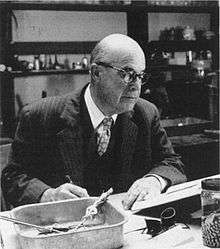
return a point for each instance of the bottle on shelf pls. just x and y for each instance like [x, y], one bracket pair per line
[31, 65]
[189, 57]
[209, 59]
[84, 62]
[66, 63]
[37, 63]
[199, 65]
[49, 65]
[16, 65]
[209, 55]
[56, 64]
[43, 61]
[172, 34]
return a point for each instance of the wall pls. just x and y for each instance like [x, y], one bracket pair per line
[30, 88]
[160, 21]
[67, 25]
[60, 26]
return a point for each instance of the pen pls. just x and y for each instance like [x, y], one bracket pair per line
[177, 190]
[68, 179]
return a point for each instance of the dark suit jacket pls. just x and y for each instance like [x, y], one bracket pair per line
[49, 144]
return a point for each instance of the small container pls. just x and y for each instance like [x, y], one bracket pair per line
[78, 65]
[84, 62]
[36, 62]
[188, 33]
[210, 201]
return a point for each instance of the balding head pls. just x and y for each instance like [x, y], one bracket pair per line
[118, 48]
[111, 59]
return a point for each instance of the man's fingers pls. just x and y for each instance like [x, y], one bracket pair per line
[76, 190]
[142, 196]
[130, 198]
[66, 195]
[63, 192]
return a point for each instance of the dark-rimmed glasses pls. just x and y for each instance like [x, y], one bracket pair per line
[128, 75]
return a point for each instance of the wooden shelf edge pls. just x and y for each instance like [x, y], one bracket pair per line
[134, 5]
[182, 45]
[36, 48]
[47, 72]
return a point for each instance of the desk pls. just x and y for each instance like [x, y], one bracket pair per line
[177, 237]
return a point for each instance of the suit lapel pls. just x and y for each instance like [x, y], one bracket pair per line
[70, 140]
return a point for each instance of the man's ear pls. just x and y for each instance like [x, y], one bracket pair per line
[94, 71]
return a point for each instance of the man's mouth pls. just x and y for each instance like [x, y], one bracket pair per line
[129, 97]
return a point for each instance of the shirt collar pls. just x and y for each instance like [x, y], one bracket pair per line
[95, 113]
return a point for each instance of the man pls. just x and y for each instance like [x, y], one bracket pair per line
[63, 138]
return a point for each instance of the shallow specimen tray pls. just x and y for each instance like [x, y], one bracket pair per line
[104, 232]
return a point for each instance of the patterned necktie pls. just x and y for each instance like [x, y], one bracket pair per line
[103, 135]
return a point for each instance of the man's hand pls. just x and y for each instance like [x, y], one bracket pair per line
[145, 187]
[64, 191]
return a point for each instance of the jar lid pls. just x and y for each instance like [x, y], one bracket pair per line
[211, 184]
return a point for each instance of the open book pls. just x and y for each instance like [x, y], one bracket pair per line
[174, 193]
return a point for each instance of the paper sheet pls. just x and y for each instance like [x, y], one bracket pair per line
[174, 193]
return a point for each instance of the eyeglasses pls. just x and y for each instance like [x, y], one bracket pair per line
[127, 74]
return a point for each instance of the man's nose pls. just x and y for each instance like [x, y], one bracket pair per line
[134, 86]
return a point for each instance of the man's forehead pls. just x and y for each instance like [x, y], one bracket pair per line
[136, 63]
[126, 59]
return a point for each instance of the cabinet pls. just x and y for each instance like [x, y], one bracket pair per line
[186, 88]
[185, 46]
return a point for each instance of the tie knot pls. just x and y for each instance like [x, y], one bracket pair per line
[107, 122]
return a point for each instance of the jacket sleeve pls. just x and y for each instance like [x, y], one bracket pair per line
[18, 182]
[166, 163]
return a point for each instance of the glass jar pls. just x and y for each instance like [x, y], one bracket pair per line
[210, 201]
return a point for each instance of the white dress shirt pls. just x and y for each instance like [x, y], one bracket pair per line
[95, 113]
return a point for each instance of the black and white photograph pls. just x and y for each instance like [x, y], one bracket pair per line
[109, 124]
